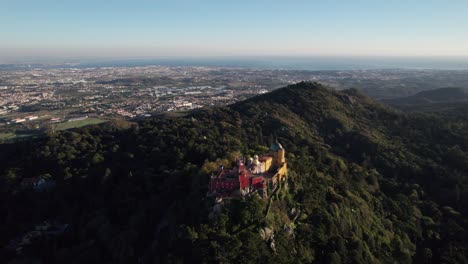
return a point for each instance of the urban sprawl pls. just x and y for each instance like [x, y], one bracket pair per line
[34, 97]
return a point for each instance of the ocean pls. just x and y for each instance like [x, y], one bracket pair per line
[308, 63]
[318, 63]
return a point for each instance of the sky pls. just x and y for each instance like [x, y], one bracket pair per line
[141, 28]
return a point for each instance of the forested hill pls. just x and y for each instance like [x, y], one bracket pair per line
[367, 184]
[442, 99]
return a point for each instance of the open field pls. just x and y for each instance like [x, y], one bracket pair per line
[12, 136]
[7, 136]
[79, 123]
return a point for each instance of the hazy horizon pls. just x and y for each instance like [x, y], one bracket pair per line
[310, 63]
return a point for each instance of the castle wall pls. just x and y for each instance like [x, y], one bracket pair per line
[268, 164]
[280, 158]
[281, 173]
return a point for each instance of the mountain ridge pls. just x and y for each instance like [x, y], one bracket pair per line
[441, 99]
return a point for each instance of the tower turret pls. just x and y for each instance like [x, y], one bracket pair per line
[278, 153]
[280, 156]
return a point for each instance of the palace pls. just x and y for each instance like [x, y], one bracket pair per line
[258, 174]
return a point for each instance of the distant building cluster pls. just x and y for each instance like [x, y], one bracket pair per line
[53, 95]
[58, 94]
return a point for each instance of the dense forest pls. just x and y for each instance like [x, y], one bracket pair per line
[367, 184]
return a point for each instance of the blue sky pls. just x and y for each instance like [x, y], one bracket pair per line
[231, 28]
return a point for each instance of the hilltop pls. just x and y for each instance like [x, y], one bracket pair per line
[367, 184]
[441, 99]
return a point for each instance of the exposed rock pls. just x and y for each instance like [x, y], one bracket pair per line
[266, 233]
[273, 245]
[288, 229]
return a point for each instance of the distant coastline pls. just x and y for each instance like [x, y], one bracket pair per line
[310, 63]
